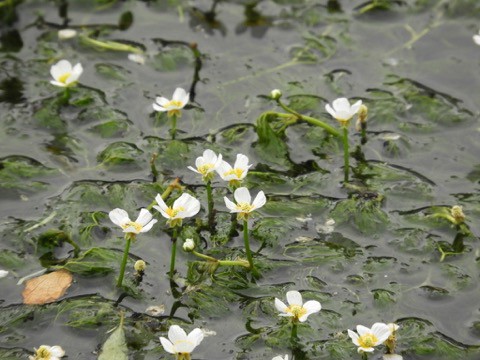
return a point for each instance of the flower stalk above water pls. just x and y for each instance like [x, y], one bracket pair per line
[183, 207]
[173, 107]
[343, 112]
[244, 206]
[206, 165]
[143, 224]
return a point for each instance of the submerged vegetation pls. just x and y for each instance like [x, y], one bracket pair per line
[245, 195]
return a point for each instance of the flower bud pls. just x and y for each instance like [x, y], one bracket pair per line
[140, 266]
[66, 34]
[362, 118]
[457, 213]
[276, 94]
[188, 245]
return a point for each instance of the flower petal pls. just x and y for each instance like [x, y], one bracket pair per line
[158, 108]
[241, 162]
[259, 201]
[381, 331]
[119, 216]
[354, 336]
[223, 168]
[57, 351]
[280, 306]
[362, 330]
[341, 104]
[148, 226]
[330, 110]
[355, 107]
[176, 333]
[294, 298]
[242, 195]
[167, 345]
[180, 95]
[162, 101]
[312, 306]
[60, 68]
[144, 217]
[195, 336]
[160, 202]
[230, 205]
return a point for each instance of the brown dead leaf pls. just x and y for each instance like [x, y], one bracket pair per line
[46, 288]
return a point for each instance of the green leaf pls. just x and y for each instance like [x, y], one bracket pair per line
[271, 146]
[115, 348]
[95, 261]
[119, 153]
[125, 21]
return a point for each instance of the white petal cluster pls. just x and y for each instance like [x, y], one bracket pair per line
[207, 163]
[342, 110]
[243, 202]
[66, 34]
[366, 339]
[46, 352]
[279, 357]
[143, 223]
[179, 342]
[64, 74]
[476, 38]
[179, 99]
[3, 273]
[296, 308]
[188, 245]
[235, 173]
[185, 206]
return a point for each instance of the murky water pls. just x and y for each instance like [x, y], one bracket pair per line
[65, 166]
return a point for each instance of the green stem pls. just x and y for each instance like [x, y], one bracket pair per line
[66, 95]
[173, 130]
[364, 356]
[222, 262]
[174, 253]
[211, 218]
[247, 245]
[346, 155]
[173, 185]
[294, 335]
[128, 238]
[330, 129]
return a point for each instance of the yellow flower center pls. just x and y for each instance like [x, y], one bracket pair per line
[237, 172]
[367, 340]
[244, 207]
[174, 212]
[133, 224]
[204, 169]
[297, 311]
[43, 353]
[63, 78]
[173, 104]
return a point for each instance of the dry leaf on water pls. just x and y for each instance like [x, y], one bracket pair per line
[46, 288]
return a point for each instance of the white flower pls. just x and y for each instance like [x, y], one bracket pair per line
[66, 34]
[179, 342]
[137, 58]
[476, 38]
[207, 163]
[143, 223]
[46, 352]
[297, 309]
[367, 339]
[243, 205]
[280, 357]
[180, 98]
[342, 110]
[185, 206]
[64, 74]
[3, 273]
[188, 245]
[236, 173]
